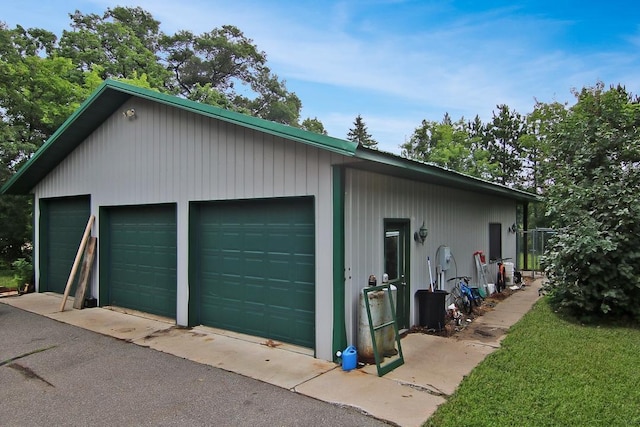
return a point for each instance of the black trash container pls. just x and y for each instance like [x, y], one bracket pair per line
[431, 308]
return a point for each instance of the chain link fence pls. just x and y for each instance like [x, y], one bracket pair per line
[530, 246]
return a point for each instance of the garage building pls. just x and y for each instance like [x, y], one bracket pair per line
[212, 217]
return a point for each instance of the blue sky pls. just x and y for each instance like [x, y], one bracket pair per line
[397, 62]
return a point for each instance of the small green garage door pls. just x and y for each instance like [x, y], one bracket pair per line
[139, 258]
[254, 263]
[62, 223]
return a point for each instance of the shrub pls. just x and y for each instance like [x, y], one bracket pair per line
[594, 264]
[23, 271]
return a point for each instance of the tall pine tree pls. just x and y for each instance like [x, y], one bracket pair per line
[503, 143]
[360, 134]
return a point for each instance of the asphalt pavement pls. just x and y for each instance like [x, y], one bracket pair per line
[52, 373]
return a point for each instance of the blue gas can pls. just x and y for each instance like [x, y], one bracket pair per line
[349, 358]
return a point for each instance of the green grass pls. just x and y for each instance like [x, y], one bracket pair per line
[7, 280]
[552, 372]
[533, 262]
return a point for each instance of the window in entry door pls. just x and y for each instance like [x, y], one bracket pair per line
[392, 254]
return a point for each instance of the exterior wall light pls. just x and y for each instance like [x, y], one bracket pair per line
[512, 229]
[421, 235]
[129, 114]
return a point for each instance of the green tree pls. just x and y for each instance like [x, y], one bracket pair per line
[443, 143]
[361, 135]
[592, 202]
[221, 67]
[535, 145]
[273, 101]
[313, 125]
[225, 67]
[503, 135]
[535, 141]
[15, 211]
[421, 143]
[222, 58]
[39, 91]
[459, 146]
[480, 165]
[45, 79]
[123, 42]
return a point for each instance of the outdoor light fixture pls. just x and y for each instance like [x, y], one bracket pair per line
[420, 235]
[512, 229]
[129, 114]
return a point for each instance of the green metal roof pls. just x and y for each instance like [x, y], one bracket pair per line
[111, 95]
[391, 164]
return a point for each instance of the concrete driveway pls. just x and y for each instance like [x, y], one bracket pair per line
[53, 373]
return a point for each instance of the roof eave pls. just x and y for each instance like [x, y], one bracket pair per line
[277, 129]
[407, 168]
[19, 182]
[110, 95]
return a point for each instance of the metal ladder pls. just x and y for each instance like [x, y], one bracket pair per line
[481, 270]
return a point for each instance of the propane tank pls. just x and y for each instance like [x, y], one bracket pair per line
[365, 343]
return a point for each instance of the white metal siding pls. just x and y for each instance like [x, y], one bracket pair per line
[455, 218]
[166, 155]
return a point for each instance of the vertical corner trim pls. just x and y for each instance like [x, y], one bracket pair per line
[339, 326]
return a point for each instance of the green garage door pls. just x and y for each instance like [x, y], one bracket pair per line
[62, 223]
[255, 268]
[140, 258]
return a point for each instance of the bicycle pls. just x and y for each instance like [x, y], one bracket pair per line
[463, 295]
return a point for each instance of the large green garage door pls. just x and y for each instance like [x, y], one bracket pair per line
[62, 223]
[254, 264]
[138, 258]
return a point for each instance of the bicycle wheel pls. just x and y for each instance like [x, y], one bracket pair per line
[462, 301]
[466, 304]
[456, 298]
[477, 298]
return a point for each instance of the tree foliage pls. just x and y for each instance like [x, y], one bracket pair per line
[224, 67]
[15, 211]
[503, 135]
[273, 101]
[594, 265]
[313, 125]
[122, 42]
[481, 164]
[359, 133]
[221, 67]
[535, 146]
[39, 91]
[443, 143]
[459, 146]
[221, 58]
[44, 79]
[535, 142]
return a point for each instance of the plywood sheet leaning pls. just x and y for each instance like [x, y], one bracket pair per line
[85, 273]
[76, 262]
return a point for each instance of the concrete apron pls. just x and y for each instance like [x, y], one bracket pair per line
[407, 396]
